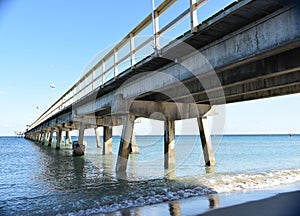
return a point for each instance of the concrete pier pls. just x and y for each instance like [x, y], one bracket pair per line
[169, 144]
[124, 149]
[205, 137]
[97, 138]
[58, 138]
[107, 140]
[80, 147]
[186, 79]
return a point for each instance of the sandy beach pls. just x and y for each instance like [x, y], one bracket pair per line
[285, 204]
[280, 201]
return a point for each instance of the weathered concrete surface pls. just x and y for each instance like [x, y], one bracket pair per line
[58, 138]
[80, 147]
[97, 138]
[206, 143]
[124, 149]
[107, 140]
[134, 149]
[169, 145]
[50, 138]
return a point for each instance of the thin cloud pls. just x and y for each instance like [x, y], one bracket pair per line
[2, 92]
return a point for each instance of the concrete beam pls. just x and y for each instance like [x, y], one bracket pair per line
[169, 145]
[169, 110]
[95, 121]
[124, 149]
[206, 142]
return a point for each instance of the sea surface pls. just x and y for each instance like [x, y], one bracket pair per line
[38, 180]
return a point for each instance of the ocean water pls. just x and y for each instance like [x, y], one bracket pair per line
[39, 180]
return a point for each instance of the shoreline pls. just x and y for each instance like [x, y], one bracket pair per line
[279, 200]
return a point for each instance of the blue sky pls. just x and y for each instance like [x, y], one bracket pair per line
[45, 42]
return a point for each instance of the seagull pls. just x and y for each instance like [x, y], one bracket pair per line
[52, 86]
[37, 107]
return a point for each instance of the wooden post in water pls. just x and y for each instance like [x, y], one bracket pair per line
[58, 138]
[124, 148]
[169, 145]
[50, 138]
[107, 140]
[207, 149]
[80, 147]
[97, 138]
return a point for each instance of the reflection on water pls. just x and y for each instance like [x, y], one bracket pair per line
[214, 201]
[174, 208]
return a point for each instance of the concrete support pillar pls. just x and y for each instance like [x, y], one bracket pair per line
[44, 138]
[169, 144]
[134, 149]
[50, 138]
[58, 138]
[39, 138]
[67, 138]
[124, 148]
[97, 138]
[80, 147]
[207, 149]
[70, 137]
[63, 140]
[107, 140]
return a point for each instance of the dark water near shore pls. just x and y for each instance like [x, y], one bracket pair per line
[39, 180]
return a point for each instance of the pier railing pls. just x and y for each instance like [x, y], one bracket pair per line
[125, 54]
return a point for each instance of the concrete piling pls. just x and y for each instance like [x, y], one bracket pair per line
[97, 138]
[124, 149]
[107, 140]
[67, 138]
[169, 144]
[50, 138]
[206, 142]
[80, 147]
[58, 138]
[134, 149]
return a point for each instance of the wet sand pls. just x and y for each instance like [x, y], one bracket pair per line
[285, 204]
[265, 202]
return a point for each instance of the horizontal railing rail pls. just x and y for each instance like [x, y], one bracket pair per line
[90, 80]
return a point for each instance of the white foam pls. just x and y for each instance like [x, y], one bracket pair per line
[251, 181]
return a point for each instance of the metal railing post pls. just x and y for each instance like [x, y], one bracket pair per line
[115, 62]
[193, 12]
[155, 28]
[132, 51]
